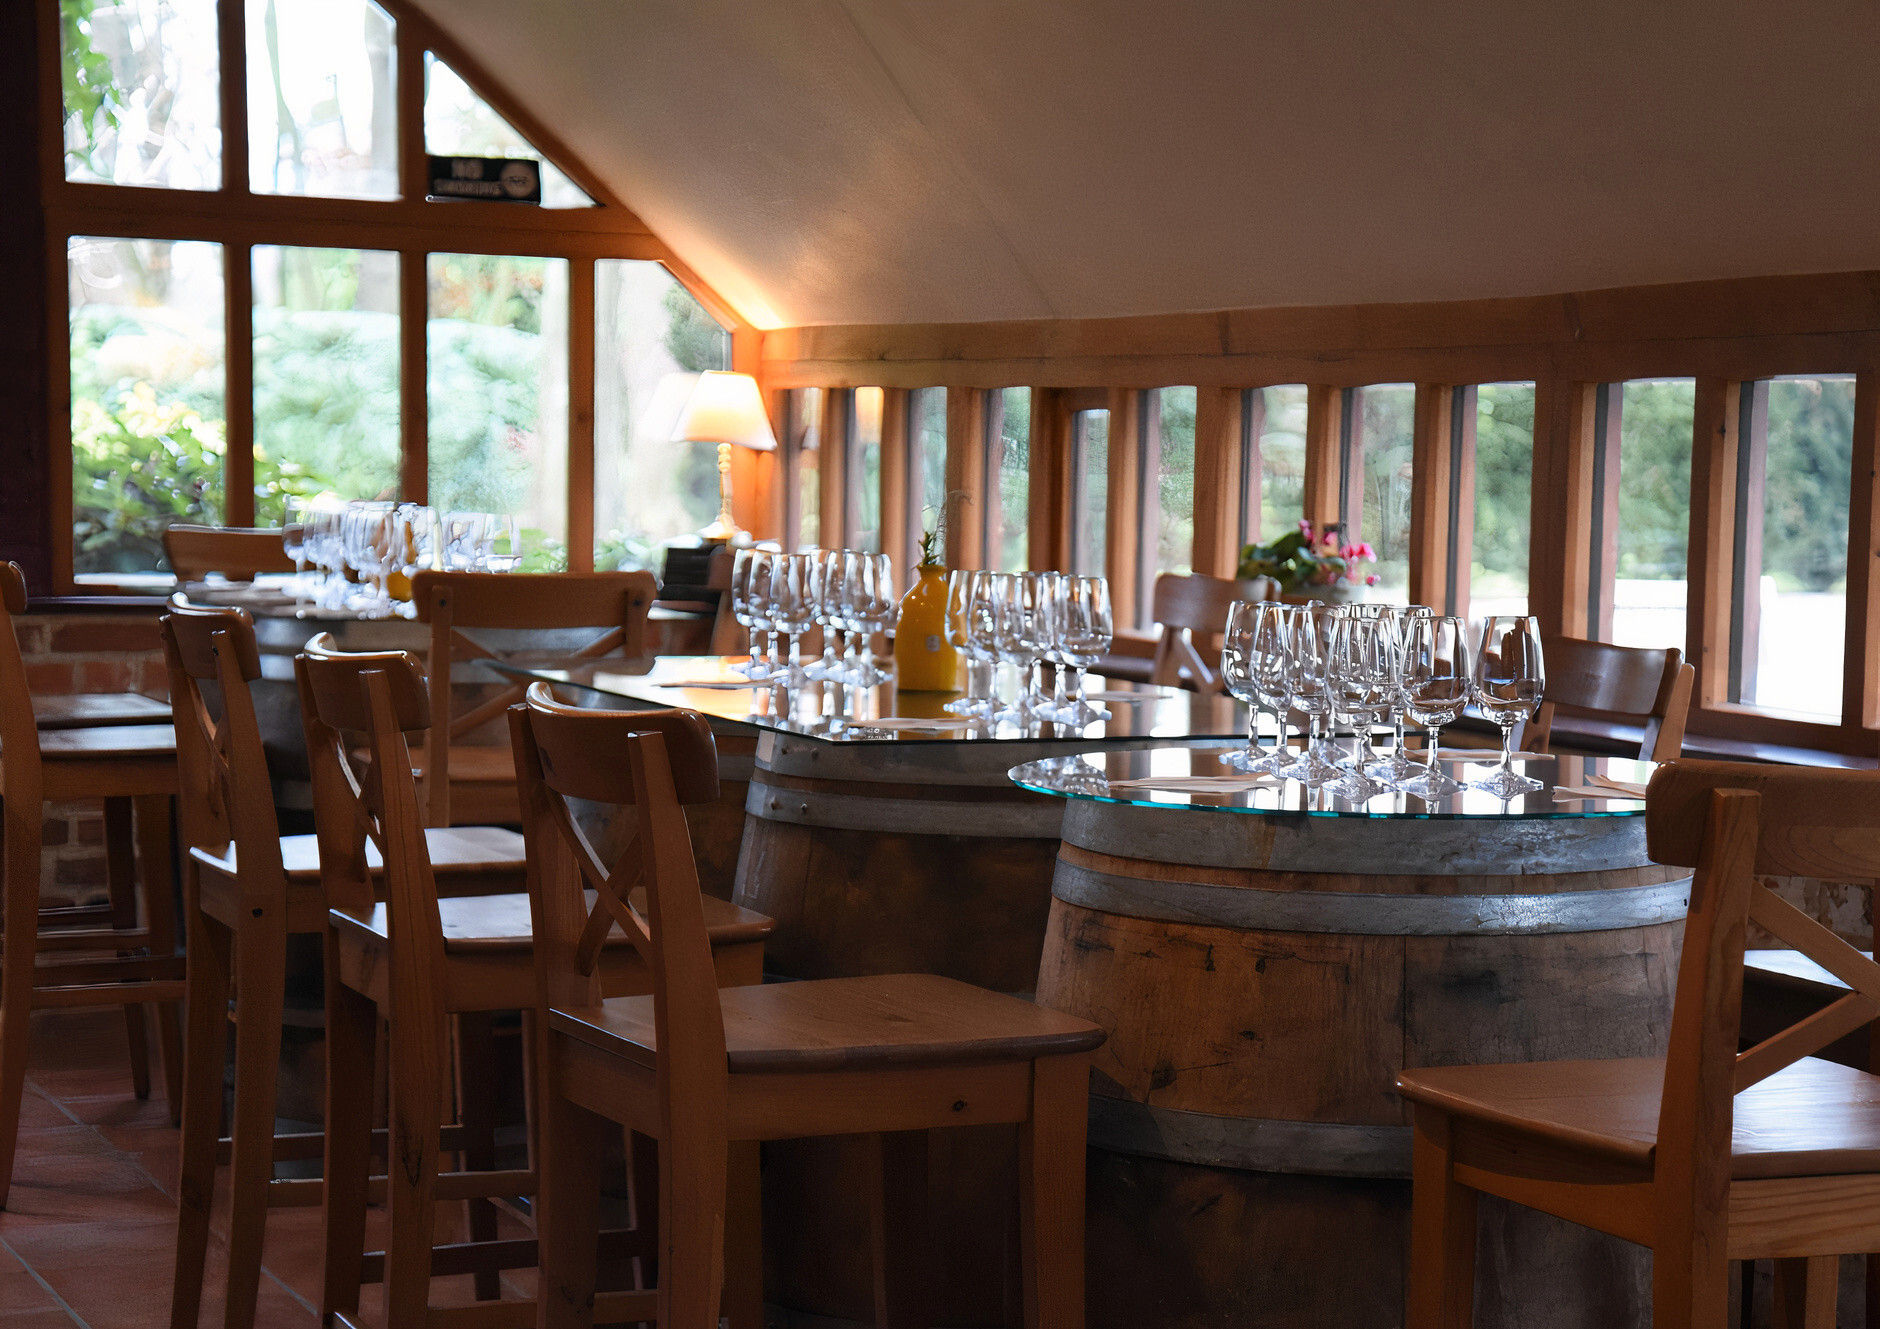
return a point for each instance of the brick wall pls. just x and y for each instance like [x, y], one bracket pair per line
[86, 651]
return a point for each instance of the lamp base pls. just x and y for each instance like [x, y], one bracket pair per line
[724, 532]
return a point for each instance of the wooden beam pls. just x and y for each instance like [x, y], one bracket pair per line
[581, 336]
[414, 464]
[898, 532]
[1324, 454]
[838, 422]
[238, 349]
[1712, 533]
[1048, 518]
[1218, 485]
[1431, 463]
[967, 420]
[1860, 694]
[1460, 554]
[30, 146]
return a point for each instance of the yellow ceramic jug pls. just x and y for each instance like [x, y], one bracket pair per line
[923, 659]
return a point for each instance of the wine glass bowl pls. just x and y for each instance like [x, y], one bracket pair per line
[1436, 682]
[1510, 678]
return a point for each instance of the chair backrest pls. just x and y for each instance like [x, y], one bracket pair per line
[239, 553]
[648, 763]
[20, 782]
[224, 796]
[1186, 604]
[615, 602]
[1642, 685]
[1735, 823]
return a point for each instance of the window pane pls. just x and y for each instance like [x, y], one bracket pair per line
[1281, 429]
[1794, 609]
[1173, 493]
[1387, 427]
[142, 93]
[458, 123]
[1655, 427]
[148, 404]
[651, 338]
[326, 375]
[1504, 474]
[928, 434]
[865, 472]
[498, 394]
[1010, 484]
[804, 450]
[1090, 490]
[322, 118]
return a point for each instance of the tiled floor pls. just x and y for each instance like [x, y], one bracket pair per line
[88, 1235]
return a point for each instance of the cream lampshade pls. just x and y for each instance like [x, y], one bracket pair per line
[726, 409]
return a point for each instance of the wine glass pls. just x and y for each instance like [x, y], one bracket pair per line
[967, 597]
[872, 606]
[1273, 677]
[462, 538]
[295, 512]
[745, 611]
[1398, 766]
[1309, 650]
[1050, 601]
[1357, 677]
[1437, 681]
[1082, 628]
[792, 608]
[825, 587]
[1019, 642]
[1509, 679]
[501, 547]
[1240, 675]
[762, 590]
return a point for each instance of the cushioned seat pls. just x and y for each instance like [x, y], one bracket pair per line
[1812, 1118]
[838, 1024]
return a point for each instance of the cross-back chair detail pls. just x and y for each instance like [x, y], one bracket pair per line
[1646, 686]
[1187, 604]
[451, 602]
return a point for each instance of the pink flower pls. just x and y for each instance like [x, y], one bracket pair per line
[1305, 524]
[1372, 580]
[1363, 550]
[1330, 541]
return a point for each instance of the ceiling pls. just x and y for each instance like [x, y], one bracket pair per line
[913, 161]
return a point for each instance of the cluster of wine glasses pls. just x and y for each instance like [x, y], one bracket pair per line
[357, 549]
[1028, 619]
[849, 593]
[1360, 666]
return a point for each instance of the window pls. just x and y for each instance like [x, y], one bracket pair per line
[651, 340]
[1090, 490]
[864, 470]
[1273, 498]
[321, 109]
[1789, 614]
[1504, 476]
[326, 375]
[1380, 426]
[1008, 478]
[802, 452]
[498, 394]
[148, 397]
[459, 123]
[1169, 490]
[142, 93]
[1654, 512]
[926, 462]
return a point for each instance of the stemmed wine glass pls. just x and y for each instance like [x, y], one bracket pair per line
[792, 609]
[1357, 677]
[1437, 681]
[969, 630]
[749, 614]
[1050, 601]
[501, 547]
[295, 512]
[1309, 648]
[1240, 647]
[825, 572]
[1082, 628]
[1397, 766]
[763, 601]
[1273, 677]
[1509, 679]
[871, 605]
[461, 535]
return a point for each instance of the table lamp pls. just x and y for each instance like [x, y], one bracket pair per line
[728, 410]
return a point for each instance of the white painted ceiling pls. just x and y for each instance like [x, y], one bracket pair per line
[836, 161]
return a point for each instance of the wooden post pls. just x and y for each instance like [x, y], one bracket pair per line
[756, 483]
[1122, 509]
[1746, 560]
[1713, 526]
[897, 472]
[1460, 556]
[1572, 507]
[35, 525]
[1048, 543]
[1251, 481]
[1431, 465]
[1219, 492]
[967, 443]
[414, 465]
[1325, 452]
[581, 334]
[838, 423]
[238, 362]
[1860, 693]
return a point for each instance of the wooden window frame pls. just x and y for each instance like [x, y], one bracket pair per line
[411, 226]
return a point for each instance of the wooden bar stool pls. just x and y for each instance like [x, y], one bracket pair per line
[247, 889]
[1710, 1154]
[702, 1069]
[464, 782]
[1634, 684]
[416, 961]
[130, 961]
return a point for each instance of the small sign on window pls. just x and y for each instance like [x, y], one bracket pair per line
[492, 179]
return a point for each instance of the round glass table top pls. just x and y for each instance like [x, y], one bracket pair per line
[1198, 779]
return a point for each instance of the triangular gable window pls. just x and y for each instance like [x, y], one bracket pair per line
[459, 123]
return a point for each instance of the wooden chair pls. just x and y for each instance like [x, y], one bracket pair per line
[1185, 605]
[416, 961]
[247, 889]
[1709, 1154]
[465, 783]
[1632, 684]
[132, 960]
[240, 553]
[704, 1070]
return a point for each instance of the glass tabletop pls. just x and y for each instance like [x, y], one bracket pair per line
[707, 684]
[1198, 779]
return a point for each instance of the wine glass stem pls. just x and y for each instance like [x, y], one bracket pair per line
[1253, 729]
[1058, 699]
[1035, 687]
[1507, 749]
[1436, 733]
[1080, 685]
[755, 655]
[1397, 717]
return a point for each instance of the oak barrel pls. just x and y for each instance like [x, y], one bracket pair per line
[1263, 976]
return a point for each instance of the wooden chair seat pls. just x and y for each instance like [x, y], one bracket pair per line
[1813, 1118]
[453, 849]
[848, 1024]
[484, 923]
[108, 742]
[99, 708]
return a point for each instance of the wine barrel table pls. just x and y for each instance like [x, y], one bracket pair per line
[1266, 960]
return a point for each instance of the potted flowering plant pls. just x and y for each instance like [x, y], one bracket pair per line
[1311, 565]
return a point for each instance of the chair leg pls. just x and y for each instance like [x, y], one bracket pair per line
[1805, 1292]
[352, 1031]
[17, 958]
[692, 1166]
[156, 848]
[643, 1181]
[744, 1237]
[899, 1225]
[260, 998]
[1051, 1193]
[120, 875]
[210, 954]
[476, 1111]
[568, 1195]
[1442, 1233]
[1691, 1287]
[417, 1109]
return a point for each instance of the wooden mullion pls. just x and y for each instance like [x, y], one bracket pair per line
[1048, 532]
[1324, 454]
[896, 476]
[581, 372]
[1431, 460]
[1712, 537]
[232, 38]
[1122, 533]
[238, 321]
[1352, 444]
[414, 465]
[408, 94]
[1461, 551]
[59, 407]
[786, 471]
[967, 443]
[1746, 548]
[1218, 492]
[833, 465]
[1860, 691]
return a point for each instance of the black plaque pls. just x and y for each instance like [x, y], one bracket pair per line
[489, 179]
